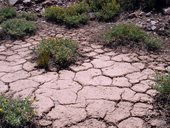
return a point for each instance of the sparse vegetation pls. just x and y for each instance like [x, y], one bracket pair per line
[163, 84]
[6, 13]
[28, 16]
[105, 9]
[163, 98]
[77, 14]
[15, 113]
[18, 28]
[126, 34]
[55, 14]
[62, 52]
[72, 16]
[74, 21]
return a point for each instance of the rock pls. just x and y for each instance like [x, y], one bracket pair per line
[141, 13]
[153, 22]
[12, 2]
[167, 11]
[27, 1]
[132, 15]
[153, 28]
[168, 69]
[148, 14]
[92, 15]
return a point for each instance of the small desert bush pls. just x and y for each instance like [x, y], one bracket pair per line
[72, 16]
[78, 8]
[18, 28]
[55, 13]
[6, 13]
[28, 16]
[2, 19]
[163, 84]
[74, 21]
[76, 15]
[162, 99]
[15, 112]
[62, 52]
[105, 9]
[124, 34]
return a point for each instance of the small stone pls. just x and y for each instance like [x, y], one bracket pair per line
[168, 69]
[153, 22]
[148, 14]
[92, 15]
[27, 1]
[141, 13]
[153, 28]
[132, 15]
[12, 2]
[167, 11]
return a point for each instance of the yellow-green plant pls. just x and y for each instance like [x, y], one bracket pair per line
[59, 51]
[163, 84]
[18, 28]
[105, 9]
[15, 112]
[55, 13]
[71, 16]
[28, 16]
[6, 13]
[126, 33]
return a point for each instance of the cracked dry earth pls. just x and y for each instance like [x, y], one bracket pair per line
[107, 90]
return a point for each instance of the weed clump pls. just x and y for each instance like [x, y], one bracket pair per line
[15, 112]
[129, 34]
[18, 28]
[61, 52]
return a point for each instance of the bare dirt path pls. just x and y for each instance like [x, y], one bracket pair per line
[109, 90]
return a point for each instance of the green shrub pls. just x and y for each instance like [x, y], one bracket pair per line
[75, 20]
[152, 43]
[59, 51]
[163, 84]
[71, 16]
[162, 99]
[77, 9]
[18, 28]
[127, 33]
[55, 13]
[28, 16]
[6, 13]
[105, 9]
[14, 112]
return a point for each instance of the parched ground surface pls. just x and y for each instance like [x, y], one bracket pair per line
[107, 90]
